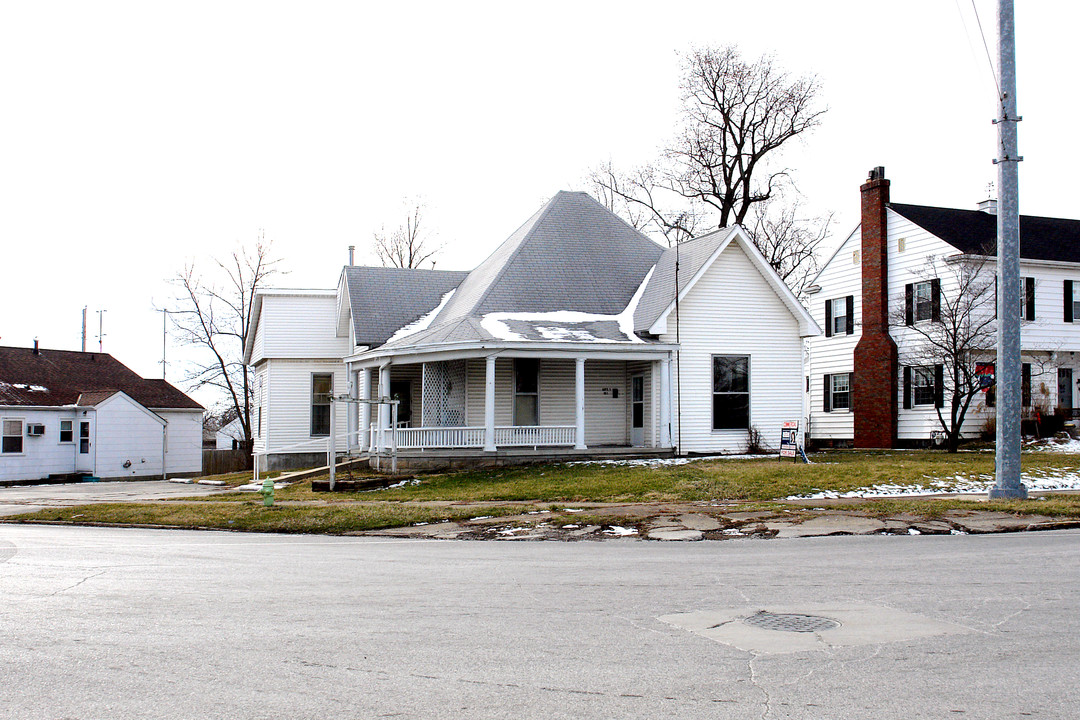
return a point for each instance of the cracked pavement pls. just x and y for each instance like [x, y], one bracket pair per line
[129, 623]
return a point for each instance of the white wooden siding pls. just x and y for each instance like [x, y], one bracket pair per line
[728, 313]
[45, 455]
[184, 453]
[128, 433]
[299, 327]
[287, 417]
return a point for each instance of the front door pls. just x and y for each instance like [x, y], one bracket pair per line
[84, 452]
[637, 410]
[1065, 388]
[401, 390]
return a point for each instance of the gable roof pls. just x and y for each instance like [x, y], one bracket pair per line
[974, 232]
[572, 255]
[695, 257]
[384, 299]
[61, 377]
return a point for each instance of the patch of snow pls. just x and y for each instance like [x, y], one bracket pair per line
[512, 531]
[403, 483]
[1068, 445]
[1047, 479]
[913, 531]
[210, 482]
[482, 517]
[424, 322]
[24, 386]
[573, 510]
[619, 531]
[570, 527]
[668, 462]
[186, 481]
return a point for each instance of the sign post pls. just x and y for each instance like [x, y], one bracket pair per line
[789, 441]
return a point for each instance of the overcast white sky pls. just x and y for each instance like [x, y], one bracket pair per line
[139, 136]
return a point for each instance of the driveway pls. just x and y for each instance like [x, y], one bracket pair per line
[28, 498]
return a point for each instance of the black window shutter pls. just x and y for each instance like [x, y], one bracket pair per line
[1029, 296]
[935, 300]
[907, 386]
[939, 386]
[850, 314]
[1068, 301]
[1025, 383]
[827, 402]
[828, 318]
[909, 304]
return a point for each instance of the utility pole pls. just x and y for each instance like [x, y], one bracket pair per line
[100, 331]
[1007, 455]
[164, 336]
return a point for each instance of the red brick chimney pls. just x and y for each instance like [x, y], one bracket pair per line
[875, 402]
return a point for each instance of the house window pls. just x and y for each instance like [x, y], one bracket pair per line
[923, 383]
[1072, 298]
[840, 316]
[322, 387]
[1027, 299]
[260, 421]
[526, 391]
[731, 392]
[66, 433]
[841, 391]
[12, 436]
[924, 301]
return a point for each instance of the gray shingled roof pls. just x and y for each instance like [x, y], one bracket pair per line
[571, 255]
[660, 292]
[386, 299]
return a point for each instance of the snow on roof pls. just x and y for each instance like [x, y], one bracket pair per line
[424, 322]
[567, 325]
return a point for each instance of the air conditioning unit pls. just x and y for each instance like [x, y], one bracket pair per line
[35, 429]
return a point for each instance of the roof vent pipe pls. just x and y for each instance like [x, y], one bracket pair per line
[36, 346]
[352, 249]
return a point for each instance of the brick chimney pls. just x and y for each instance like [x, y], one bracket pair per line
[875, 401]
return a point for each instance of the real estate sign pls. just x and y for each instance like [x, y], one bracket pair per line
[789, 440]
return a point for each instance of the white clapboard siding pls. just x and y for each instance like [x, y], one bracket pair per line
[287, 420]
[184, 441]
[44, 455]
[733, 311]
[299, 326]
[128, 433]
[841, 276]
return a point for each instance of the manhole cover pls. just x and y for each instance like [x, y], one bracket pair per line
[791, 622]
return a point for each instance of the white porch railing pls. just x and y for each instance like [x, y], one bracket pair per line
[473, 437]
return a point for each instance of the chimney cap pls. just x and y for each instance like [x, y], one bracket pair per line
[877, 173]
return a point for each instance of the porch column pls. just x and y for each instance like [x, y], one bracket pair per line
[384, 410]
[352, 442]
[489, 405]
[579, 404]
[365, 410]
[665, 402]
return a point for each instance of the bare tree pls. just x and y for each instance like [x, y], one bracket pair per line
[213, 313]
[788, 241]
[405, 246]
[952, 328]
[736, 116]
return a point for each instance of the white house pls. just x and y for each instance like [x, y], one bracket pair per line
[570, 338]
[229, 436]
[890, 275]
[67, 414]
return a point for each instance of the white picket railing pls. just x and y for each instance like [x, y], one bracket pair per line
[473, 437]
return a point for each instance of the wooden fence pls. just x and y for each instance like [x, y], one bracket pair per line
[217, 462]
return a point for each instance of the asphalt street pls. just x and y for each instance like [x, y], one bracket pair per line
[127, 623]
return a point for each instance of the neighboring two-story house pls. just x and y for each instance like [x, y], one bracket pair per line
[889, 277]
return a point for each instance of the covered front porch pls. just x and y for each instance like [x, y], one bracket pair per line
[491, 400]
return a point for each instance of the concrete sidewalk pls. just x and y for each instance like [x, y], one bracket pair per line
[18, 499]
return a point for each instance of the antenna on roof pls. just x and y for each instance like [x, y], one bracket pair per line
[101, 333]
[84, 328]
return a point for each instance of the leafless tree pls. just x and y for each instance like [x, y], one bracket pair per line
[959, 334]
[787, 240]
[406, 246]
[736, 116]
[212, 312]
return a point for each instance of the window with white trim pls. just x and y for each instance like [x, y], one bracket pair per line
[731, 392]
[924, 301]
[67, 432]
[841, 391]
[322, 387]
[922, 381]
[12, 442]
[526, 391]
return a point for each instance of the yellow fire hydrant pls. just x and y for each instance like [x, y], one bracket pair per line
[268, 492]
